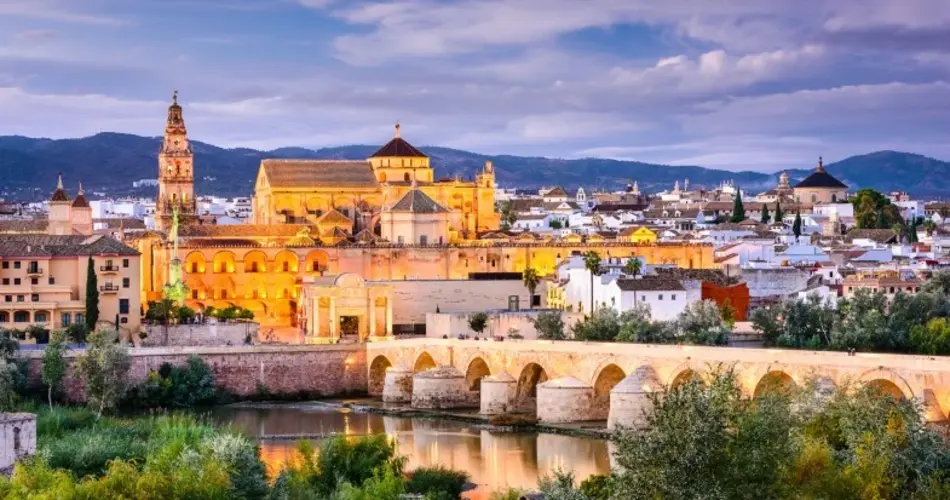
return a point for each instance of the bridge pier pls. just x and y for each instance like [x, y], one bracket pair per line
[631, 400]
[498, 394]
[931, 407]
[440, 388]
[397, 387]
[565, 400]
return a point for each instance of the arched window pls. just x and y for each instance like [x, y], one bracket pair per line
[834, 198]
[382, 177]
[21, 317]
[814, 198]
[39, 317]
[407, 178]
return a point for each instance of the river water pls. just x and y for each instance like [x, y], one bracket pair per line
[494, 460]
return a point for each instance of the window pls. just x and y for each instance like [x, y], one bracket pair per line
[34, 266]
[34, 281]
[39, 317]
[123, 306]
[660, 297]
[286, 267]
[643, 298]
[423, 240]
[125, 282]
[8, 298]
[814, 198]
[35, 297]
[16, 264]
[16, 281]
[79, 317]
[20, 298]
[64, 320]
[399, 240]
[407, 178]
[673, 296]
[834, 198]
[123, 320]
[21, 317]
[6, 281]
[224, 294]
[125, 263]
[254, 267]
[6, 265]
[194, 294]
[52, 280]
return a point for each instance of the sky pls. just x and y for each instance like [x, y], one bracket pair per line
[732, 84]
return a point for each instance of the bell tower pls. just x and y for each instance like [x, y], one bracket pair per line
[176, 179]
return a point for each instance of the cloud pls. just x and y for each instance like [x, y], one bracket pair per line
[55, 11]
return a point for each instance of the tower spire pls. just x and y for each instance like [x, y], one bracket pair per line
[396, 133]
[81, 192]
[59, 181]
[821, 164]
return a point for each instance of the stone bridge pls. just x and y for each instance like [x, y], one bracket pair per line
[576, 381]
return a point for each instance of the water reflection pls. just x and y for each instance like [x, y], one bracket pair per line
[494, 460]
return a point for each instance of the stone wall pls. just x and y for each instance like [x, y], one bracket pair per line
[17, 438]
[284, 371]
[413, 299]
[774, 282]
[499, 323]
[207, 334]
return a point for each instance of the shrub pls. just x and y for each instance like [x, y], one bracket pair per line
[550, 325]
[342, 461]
[188, 386]
[478, 322]
[433, 481]
[185, 314]
[77, 333]
[597, 487]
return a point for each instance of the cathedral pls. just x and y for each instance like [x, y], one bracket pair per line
[385, 218]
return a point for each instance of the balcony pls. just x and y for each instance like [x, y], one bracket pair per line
[34, 271]
[109, 269]
[109, 288]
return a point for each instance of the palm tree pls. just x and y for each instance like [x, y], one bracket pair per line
[899, 231]
[633, 266]
[531, 279]
[930, 226]
[592, 264]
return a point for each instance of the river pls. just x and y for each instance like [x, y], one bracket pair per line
[495, 460]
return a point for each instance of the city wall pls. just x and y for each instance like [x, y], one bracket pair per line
[283, 371]
[412, 300]
[207, 334]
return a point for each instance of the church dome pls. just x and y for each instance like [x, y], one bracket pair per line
[821, 179]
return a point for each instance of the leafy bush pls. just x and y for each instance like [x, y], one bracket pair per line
[189, 386]
[478, 322]
[77, 333]
[550, 325]
[597, 487]
[437, 482]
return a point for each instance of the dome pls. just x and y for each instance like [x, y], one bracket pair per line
[821, 179]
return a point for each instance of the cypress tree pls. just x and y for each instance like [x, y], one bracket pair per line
[912, 232]
[766, 217]
[797, 225]
[779, 215]
[92, 296]
[738, 211]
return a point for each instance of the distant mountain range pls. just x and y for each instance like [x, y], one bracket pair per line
[111, 162]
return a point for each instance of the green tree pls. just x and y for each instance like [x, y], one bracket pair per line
[704, 440]
[531, 279]
[932, 338]
[779, 214]
[105, 368]
[602, 325]
[738, 210]
[912, 232]
[899, 231]
[930, 226]
[92, 295]
[556, 224]
[560, 486]
[766, 216]
[549, 325]
[592, 264]
[939, 283]
[797, 225]
[478, 322]
[868, 205]
[54, 364]
[701, 323]
[8, 386]
[633, 266]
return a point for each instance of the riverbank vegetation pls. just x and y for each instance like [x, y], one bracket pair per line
[701, 323]
[868, 321]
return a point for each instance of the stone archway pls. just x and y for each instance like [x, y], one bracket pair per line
[887, 388]
[377, 375]
[477, 370]
[775, 382]
[609, 376]
[423, 362]
[684, 376]
[527, 390]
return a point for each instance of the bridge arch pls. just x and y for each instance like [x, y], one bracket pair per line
[377, 374]
[888, 383]
[424, 361]
[476, 371]
[775, 382]
[684, 374]
[608, 377]
[526, 393]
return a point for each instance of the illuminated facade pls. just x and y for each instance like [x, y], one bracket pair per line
[386, 218]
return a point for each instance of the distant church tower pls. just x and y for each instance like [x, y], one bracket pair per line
[176, 176]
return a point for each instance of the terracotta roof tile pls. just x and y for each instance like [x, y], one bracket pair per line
[318, 173]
